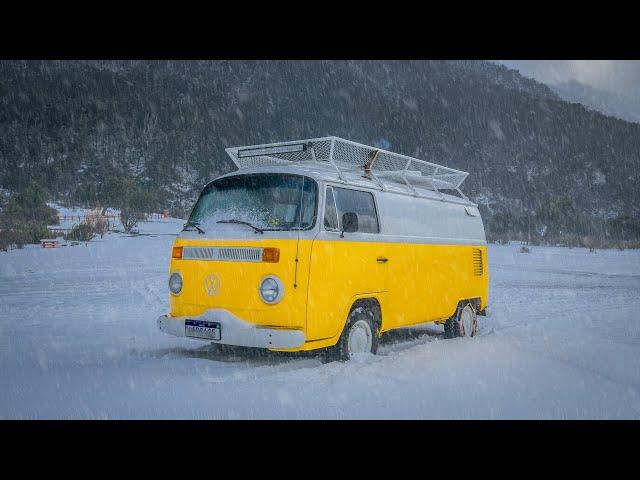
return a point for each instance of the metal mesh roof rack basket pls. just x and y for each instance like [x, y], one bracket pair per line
[379, 165]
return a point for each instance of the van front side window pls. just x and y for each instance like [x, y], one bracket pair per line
[269, 201]
[359, 202]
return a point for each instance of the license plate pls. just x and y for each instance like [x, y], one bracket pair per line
[202, 329]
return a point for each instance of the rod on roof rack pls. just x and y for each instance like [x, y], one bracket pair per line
[333, 144]
[262, 151]
[369, 164]
[368, 169]
[404, 177]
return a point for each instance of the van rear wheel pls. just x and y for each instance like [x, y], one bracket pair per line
[360, 335]
[463, 324]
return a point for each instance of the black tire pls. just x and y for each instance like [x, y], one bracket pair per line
[340, 351]
[453, 328]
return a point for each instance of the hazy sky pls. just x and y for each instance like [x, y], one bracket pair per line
[618, 76]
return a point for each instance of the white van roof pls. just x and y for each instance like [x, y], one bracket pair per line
[337, 160]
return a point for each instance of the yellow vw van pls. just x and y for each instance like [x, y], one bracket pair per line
[325, 244]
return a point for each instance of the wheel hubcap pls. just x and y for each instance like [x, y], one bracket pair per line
[466, 323]
[360, 338]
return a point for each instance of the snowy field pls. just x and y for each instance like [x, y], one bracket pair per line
[78, 339]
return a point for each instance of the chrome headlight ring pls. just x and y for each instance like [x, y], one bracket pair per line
[271, 289]
[175, 283]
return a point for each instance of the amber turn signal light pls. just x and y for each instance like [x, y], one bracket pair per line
[271, 255]
[176, 252]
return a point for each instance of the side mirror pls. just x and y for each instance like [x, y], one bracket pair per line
[349, 223]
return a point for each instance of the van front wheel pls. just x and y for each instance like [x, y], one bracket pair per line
[360, 335]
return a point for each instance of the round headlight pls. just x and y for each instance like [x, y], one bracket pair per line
[175, 283]
[271, 290]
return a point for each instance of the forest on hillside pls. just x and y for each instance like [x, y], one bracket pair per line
[149, 134]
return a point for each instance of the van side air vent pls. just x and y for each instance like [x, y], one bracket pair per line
[229, 254]
[477, 262]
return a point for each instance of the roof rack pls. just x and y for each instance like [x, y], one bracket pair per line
[381, 166]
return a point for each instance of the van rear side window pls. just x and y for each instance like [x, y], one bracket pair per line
[359, 202]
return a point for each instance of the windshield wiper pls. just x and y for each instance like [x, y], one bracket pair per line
[256, 229]
[193, 223]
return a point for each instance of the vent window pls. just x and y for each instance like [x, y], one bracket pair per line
[478, 267]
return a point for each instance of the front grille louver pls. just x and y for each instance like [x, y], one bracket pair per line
[228, 254]
[478, 267]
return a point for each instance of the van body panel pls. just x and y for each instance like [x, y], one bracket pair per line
[239, 283]
[427, 282]
[425, 220]
[381, 297]
[419, 283]
[342, 269]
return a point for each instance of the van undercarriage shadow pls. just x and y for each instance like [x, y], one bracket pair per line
[233, 354]
[259, 356]
[402, 335]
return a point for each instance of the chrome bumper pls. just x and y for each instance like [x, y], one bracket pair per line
[235, 331]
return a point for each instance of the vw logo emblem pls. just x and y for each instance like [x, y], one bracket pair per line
[212, 284]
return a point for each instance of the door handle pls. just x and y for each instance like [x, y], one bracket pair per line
[382, 259]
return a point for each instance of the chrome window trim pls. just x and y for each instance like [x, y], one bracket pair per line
[324, 213]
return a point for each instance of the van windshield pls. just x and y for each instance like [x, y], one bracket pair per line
[267, 201]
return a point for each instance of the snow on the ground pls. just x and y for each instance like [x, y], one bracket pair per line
[78, 339]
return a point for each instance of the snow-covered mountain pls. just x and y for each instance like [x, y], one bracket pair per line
[612, 104]
[97, 131]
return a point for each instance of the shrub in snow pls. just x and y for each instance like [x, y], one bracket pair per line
[83, 232]
[129, 219]
[24, 217]
[178, 211]
[98, 222]
[10, 239]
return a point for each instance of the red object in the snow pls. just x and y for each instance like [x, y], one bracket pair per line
[49, 242]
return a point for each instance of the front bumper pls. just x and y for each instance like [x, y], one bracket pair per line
[235, 331]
